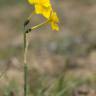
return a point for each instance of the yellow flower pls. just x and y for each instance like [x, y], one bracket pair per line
[54, 21]
[42, 7]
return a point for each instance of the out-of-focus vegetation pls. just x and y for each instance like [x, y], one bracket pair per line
[60, 63]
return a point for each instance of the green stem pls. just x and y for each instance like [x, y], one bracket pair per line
[25, 66]
[39, 25]
[30, 16]
[25, 79]
[25, 57]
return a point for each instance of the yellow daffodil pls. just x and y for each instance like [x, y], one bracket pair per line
[44, 8]
[54, 21]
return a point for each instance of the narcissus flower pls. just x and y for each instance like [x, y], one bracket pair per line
[54, 21]
[44, 8]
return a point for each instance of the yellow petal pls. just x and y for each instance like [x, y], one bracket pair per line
[45, 3]
[54, 26]
[43, 10]
[54, 17]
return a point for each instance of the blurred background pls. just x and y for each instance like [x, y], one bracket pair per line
[60, 63]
